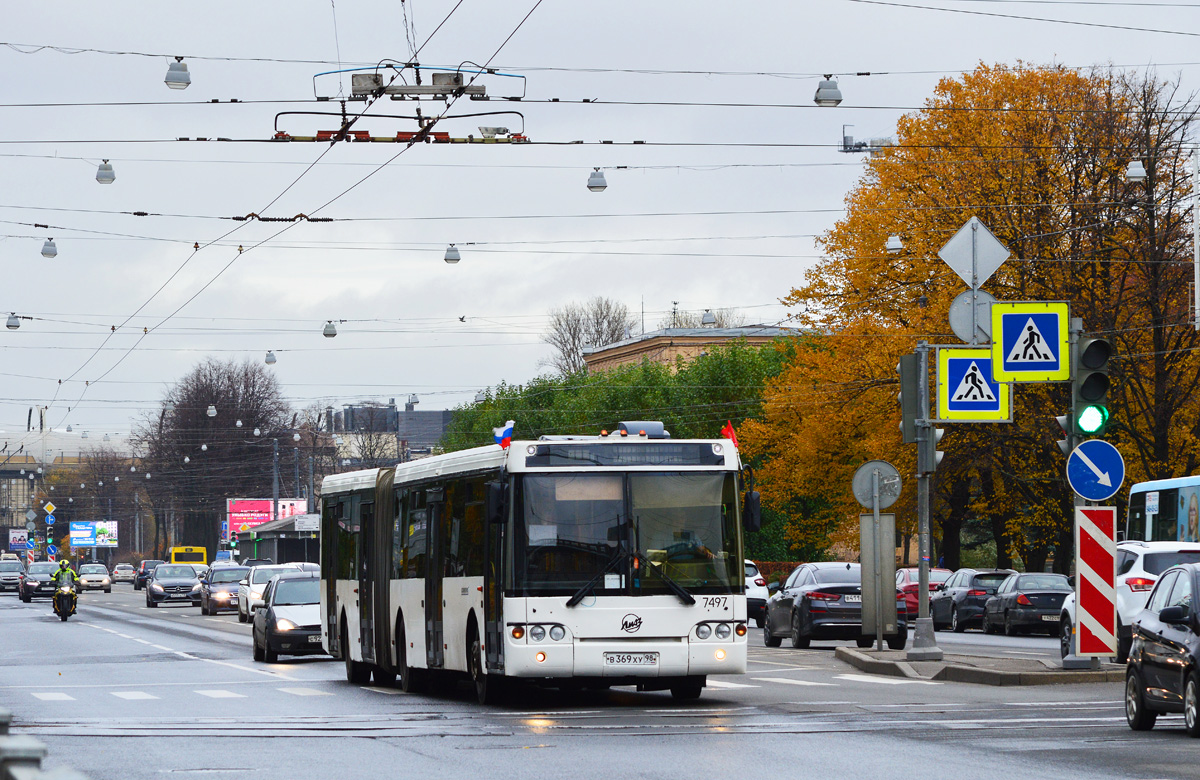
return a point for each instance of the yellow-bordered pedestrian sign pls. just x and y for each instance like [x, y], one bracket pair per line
[1029, 341]
[966, 389]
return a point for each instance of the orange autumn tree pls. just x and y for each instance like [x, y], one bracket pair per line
[1039, 155]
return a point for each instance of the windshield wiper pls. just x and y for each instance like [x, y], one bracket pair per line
[586, 590]
[675, 587]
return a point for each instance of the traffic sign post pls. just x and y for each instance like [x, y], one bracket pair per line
[876, 485]
[1095, 470]
[1030, 341]
[1095, 634]
[974, 254]
[966, 389]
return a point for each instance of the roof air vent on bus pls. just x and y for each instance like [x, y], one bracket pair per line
[652, 428]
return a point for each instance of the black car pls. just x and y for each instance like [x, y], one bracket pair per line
[144, 570]
[173, 582]
[959, 601]
[218, 589]
[1163, 673]
[1026, 603]
[289, 621]
[10, 574]
[824, 601]
[38, 581]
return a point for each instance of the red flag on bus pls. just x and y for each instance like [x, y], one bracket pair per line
[728, 432]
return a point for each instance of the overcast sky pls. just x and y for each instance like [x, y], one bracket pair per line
[531, 235]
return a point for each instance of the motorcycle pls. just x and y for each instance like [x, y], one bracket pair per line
[64, 601]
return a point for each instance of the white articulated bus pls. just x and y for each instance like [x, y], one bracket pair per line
[592, 561]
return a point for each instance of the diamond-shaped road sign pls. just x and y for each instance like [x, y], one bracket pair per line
[974, 240]
[31, 515]
[49, 507]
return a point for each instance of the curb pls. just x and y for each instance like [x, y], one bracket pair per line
[973, 674]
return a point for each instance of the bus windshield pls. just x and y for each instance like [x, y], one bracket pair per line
[639, 530]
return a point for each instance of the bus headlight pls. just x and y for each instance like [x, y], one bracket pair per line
[557, 633]
[724, 630]
[704, 631]
[537, 633]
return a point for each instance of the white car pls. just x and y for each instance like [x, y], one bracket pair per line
[94, 576]
[756, 594]
[250, 590]
[1138, 566]
[123, 572]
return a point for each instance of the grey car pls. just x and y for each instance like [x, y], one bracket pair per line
[173, 582]
[10, 575]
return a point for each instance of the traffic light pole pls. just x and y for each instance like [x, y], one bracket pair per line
[924, 647]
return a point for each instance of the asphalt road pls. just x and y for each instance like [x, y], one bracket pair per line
[123, 691]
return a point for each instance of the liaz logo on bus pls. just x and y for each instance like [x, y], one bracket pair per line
[631, 623]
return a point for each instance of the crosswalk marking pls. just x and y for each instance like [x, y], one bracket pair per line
[786, 681]
[221, 694]
[723, 684]
[54, 696]
[133, 695]
[883, 680]
[304, 691]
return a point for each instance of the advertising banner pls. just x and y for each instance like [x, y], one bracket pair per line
[246, 514]
[17, 537]
[98, 534]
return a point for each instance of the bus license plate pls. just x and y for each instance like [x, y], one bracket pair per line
[631, 659]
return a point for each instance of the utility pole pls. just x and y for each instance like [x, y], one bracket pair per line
[924, 641]
[312, 499]
[275, 479]
[296, 465]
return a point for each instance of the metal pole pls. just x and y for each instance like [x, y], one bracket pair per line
[1196, 237]
[878, 560]
[312, 500]
[275, 479]
[974, 283]
[296, 465]
[924, 647]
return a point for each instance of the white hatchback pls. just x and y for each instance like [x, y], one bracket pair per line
[756, 594]
[250, 590]
[1138, 566]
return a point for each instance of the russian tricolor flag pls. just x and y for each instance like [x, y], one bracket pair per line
[503, 435]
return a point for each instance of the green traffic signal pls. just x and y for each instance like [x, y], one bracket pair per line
[1091, 419]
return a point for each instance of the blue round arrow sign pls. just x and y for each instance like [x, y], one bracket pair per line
[1095, 470]
[52, 549]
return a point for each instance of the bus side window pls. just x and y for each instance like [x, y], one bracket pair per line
[1165, 527]
[399, 536]
[347, 544]
[417, 519]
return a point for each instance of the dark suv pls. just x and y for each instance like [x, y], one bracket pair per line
[144, 570]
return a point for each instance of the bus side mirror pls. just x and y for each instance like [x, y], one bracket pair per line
[497, 502]
[752, 511]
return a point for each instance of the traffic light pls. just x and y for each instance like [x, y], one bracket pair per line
[1064, 444]
[1089, 385]
[935, 455]
[907, 367]
[232, 543]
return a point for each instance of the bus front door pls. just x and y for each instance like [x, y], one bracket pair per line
[366, 594]
[434, 643]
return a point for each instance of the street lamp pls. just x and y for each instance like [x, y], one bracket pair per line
[270, 359]
[177, 75]
[828, 94]
[894, 245]
[105, 173]
[596, 181]
[212, 411]
[14, 321]
[452, 255]
[49, 249]
[480, 397]
[330, 330]
[1135, 171]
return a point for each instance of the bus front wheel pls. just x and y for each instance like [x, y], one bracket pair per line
[411, 680]
[688, 688]
[356, 671]
[488, 687]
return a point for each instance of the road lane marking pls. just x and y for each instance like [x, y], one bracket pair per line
[160, 647]
[221, 694]
[883, 680]
[304, 691]
[54, 696]
[787, 681]
[133, 695]
[722, 684]
[389, 691]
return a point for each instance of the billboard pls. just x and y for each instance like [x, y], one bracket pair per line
[98, 534]
[17, 538]
[246, 514]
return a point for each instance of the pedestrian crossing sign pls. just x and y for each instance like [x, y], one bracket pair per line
[966, 389]
[1029, 341]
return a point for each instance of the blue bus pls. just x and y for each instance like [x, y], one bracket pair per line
[1164, 510]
